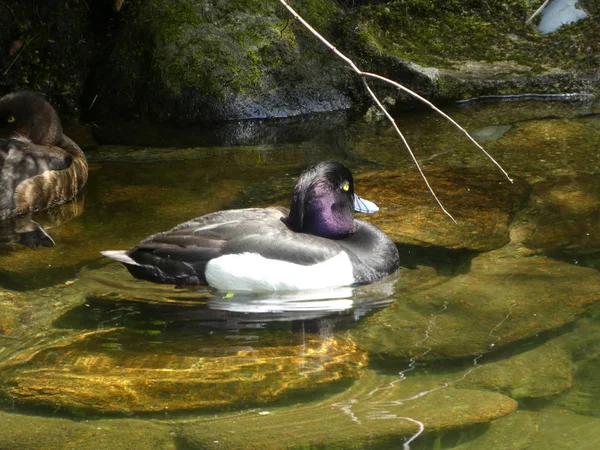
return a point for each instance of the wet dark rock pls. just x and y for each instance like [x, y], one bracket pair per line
[199, 59]
[203, 60]
[472, 79]
[49, 48]
[504, 298]
[483, 204]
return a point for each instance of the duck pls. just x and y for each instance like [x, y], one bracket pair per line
[40, 166]
[315, 244]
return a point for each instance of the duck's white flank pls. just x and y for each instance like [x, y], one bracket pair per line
[252, 272]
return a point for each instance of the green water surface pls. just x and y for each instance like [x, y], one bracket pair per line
[461, 349]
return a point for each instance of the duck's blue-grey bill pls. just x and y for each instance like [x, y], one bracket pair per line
[364, 206]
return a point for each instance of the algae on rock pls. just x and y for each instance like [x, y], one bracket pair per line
[200, 60]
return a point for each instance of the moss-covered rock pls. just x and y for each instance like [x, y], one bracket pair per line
[49, 47]
[197, 60]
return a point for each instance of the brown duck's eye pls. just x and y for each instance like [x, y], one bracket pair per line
[10, 119]
[346, 186]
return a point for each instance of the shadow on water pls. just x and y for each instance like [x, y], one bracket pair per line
[330, 128]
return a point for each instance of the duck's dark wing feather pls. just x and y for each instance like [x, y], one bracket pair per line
[180, 255]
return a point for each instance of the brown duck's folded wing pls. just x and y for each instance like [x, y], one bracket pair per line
[24, 183]
[25, 159]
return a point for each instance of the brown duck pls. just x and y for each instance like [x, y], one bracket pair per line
[39, 166]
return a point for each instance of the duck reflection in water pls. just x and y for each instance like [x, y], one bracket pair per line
[31, 230]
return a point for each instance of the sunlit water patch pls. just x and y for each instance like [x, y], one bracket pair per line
[487, 336]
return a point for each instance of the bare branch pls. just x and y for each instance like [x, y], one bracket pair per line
[537, 11]
[385, 112]
[412, 155]
[442, 113]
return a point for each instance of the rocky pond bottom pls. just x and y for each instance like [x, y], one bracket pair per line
[488, 336]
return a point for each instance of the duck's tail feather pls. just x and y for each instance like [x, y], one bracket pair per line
[121, 256]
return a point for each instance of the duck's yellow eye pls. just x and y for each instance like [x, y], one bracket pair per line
[10, 119]
[346, 187]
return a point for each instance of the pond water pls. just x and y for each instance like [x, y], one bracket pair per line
[486, 338]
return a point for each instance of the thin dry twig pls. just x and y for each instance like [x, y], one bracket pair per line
[537, 11]
[385, 112]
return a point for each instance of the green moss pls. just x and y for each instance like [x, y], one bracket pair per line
[217, 48]
[445, 32]
[45, 49]
[213, 50]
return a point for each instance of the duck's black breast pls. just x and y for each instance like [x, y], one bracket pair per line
[372, 253]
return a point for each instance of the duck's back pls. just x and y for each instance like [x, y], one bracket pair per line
[182, 254]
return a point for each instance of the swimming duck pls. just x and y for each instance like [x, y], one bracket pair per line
[315, 244]
[39, 166]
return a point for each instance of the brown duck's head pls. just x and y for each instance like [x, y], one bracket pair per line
[29, 115]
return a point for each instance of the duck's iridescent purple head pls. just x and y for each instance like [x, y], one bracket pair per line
[324, 200]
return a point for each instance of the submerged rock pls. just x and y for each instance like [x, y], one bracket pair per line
[502, 299]
[374, 411]
[483, 203]
[116, 371]
[546, 429]
[584, 396]
[562, 215]
[544, 371]
[512, 432]
[51, 433]
[9, 312]
[563, 429]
